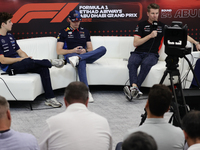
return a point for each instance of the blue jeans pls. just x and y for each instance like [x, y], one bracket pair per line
[35, 66]
[88, 57]
[145, 61]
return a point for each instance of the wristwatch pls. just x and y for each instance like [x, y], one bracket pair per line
[197, 43]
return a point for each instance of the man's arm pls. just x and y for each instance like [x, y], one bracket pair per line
[9, 60]
[139, 41]
[22, 54]
[190, 39]
[89, 46]
[61, 51]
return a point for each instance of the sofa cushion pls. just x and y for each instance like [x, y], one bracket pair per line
[39, 48]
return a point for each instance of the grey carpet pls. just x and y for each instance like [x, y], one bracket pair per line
[110, 102]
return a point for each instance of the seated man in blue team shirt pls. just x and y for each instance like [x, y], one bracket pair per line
[75, 44]
[15, 61]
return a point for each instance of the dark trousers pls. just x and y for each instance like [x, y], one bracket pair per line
[145, 61]
[197, 73]
[35, 66]
[88, 57]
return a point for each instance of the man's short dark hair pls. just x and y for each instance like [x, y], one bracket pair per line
[159, 99]
[191, 124]
[4, 105]
[152, 6]
[139, 141]
[4, 17]
[76, 92]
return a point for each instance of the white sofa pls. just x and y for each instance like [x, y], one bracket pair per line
[111, 69]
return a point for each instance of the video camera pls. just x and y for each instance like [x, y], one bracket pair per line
[175, 39]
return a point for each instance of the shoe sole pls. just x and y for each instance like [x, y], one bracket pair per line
[50, 104]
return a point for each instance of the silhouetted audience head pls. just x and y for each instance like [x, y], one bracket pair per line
[4, 107]
[139, 141]
[191, 127]
[76, 92]
[159, 99]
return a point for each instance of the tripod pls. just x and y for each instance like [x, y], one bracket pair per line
[172, 64]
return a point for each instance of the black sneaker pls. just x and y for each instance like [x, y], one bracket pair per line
[127, 93]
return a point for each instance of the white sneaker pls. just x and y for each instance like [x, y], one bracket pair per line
[53, 102]
[91, 100]
[74, 60]
[57, 62]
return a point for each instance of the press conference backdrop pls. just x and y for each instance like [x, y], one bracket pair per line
[36, 18]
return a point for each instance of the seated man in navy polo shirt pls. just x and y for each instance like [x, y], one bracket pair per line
[75, 44]
[13, 60]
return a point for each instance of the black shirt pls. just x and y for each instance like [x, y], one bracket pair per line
[73, 38]
[145, 28]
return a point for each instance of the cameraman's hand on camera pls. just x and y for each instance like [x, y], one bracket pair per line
[154, 34]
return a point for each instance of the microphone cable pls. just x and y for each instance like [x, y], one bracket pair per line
[8, 89]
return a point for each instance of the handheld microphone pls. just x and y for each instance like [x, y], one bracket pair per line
[154, 25]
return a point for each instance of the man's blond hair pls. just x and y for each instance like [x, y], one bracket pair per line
[152, 6]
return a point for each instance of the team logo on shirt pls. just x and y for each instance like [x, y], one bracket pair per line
[82, 34]
[70, 35]
[3, 41]
[67, 29]
[58, 37]
[159, 29]
[147, 28]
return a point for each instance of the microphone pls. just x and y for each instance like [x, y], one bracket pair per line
[154, 25]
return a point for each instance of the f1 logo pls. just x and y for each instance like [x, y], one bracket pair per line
[56, 11]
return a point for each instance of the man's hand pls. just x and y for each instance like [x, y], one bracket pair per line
[154, 34]
[21, 58]
[79, 50]
[198, 46]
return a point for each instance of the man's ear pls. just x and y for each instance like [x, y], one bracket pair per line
[66, 103]
[87, 102]
[148, 14]
[186, 135]
[147, 104]
[8, 114]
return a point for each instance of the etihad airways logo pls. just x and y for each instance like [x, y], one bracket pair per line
[55, 11]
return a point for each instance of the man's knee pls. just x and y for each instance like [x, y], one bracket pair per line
[103, 49]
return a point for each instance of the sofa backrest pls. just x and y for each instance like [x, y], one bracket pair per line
[39, 48]
[117, 46]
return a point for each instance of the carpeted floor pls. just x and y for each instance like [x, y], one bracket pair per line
[110, 102]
